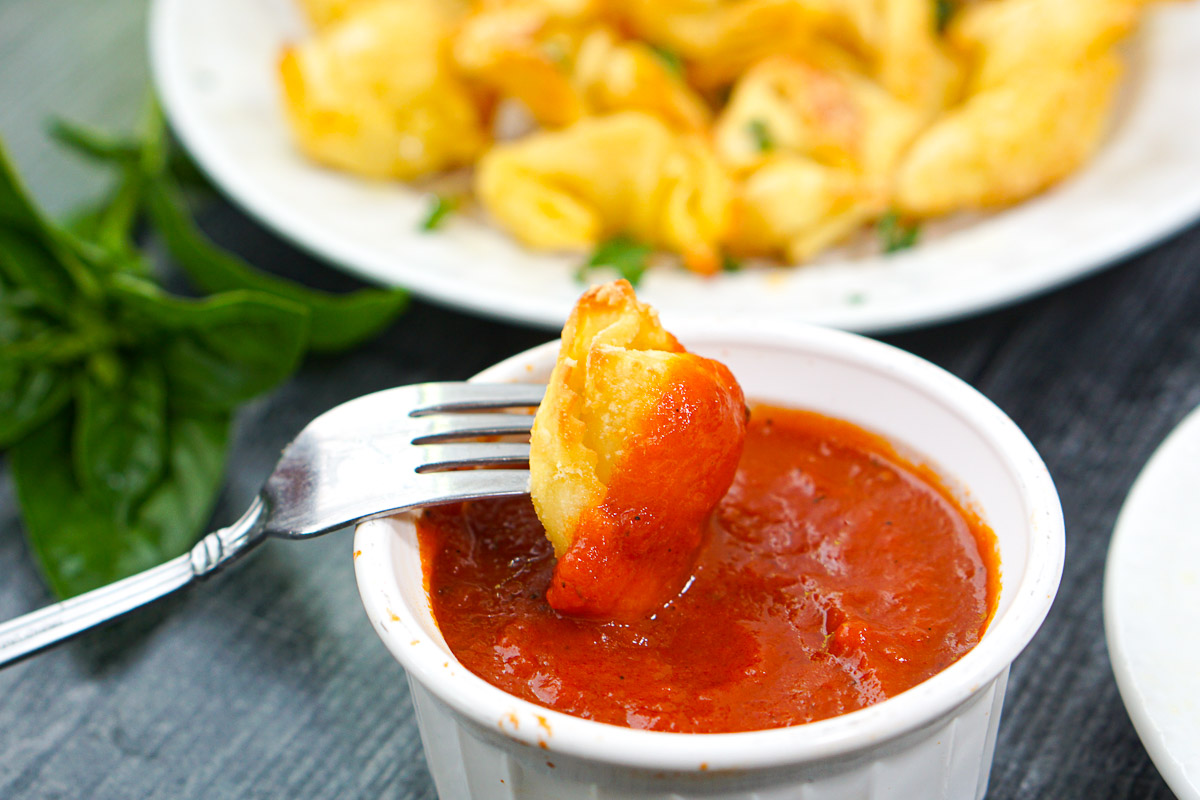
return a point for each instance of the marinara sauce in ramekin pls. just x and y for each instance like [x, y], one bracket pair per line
[934, 740]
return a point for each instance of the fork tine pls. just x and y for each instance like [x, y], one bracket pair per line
[428, 430]
[451, 487]
[471, 454]
[434, 398]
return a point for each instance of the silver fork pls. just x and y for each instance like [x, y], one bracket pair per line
[385, 452]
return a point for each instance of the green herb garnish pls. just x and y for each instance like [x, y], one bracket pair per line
[440, 207]
[761, 135]
[628, 257]
[943, 11]
[895, 234]
[670, 59]
[116, 398]
[730, 264]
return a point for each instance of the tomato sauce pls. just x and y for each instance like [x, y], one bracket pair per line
[834, 574]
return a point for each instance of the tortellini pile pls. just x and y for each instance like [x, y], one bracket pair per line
[713, 129]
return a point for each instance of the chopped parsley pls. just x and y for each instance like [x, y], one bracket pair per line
[730, 264]
[628, 257]
[440, 207]
[761, 135]
[943, 11]
[556, 52]
[670, 59]
[895, 234]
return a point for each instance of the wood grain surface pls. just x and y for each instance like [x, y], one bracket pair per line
[267, 681]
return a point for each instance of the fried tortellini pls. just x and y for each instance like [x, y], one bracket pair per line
[817, 149]
[899, 40]
[720, 39]
[324, 12]
[1009, 141]
[713, 129]
[1003, 38]
[833, 117]
[372, 94]
[563, 67]
[635, 443]
[1042, 79]
[627, 173]
[797, 207]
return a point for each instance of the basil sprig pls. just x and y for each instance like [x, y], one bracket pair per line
[116, 397]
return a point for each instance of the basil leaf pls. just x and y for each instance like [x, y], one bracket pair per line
[30, 391]
[27, 264]
[338, 321]
[17, 212]
[103, 232]
[177, 510]
[93, 143]
[79, 544]
[120, 435]
[219, 352]
[75, 544]
[28, 397]
[19, 215]
[153, 150]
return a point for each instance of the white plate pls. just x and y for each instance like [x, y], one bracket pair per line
[214, 63]
[1152, 603]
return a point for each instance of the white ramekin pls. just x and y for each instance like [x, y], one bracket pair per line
[933, 741]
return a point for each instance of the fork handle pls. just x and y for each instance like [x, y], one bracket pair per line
[37, 630]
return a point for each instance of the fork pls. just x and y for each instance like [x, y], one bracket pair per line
[390, 451]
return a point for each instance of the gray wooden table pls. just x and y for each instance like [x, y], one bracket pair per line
[269, 683]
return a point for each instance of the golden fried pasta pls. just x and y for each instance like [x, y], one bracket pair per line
[783, 104]
[1001, 38]
[798, 207]
[520, 50]
[720, 39]
[372, 94]
[815, 149]
[1011, 141]
[324, 12]
[627, 173]
[564, 67]
[633, 446]
[899, 40]
[710, 127]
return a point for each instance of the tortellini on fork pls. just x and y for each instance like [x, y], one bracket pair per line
[635, 443]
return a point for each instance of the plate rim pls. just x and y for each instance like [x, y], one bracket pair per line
[1125, 531]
